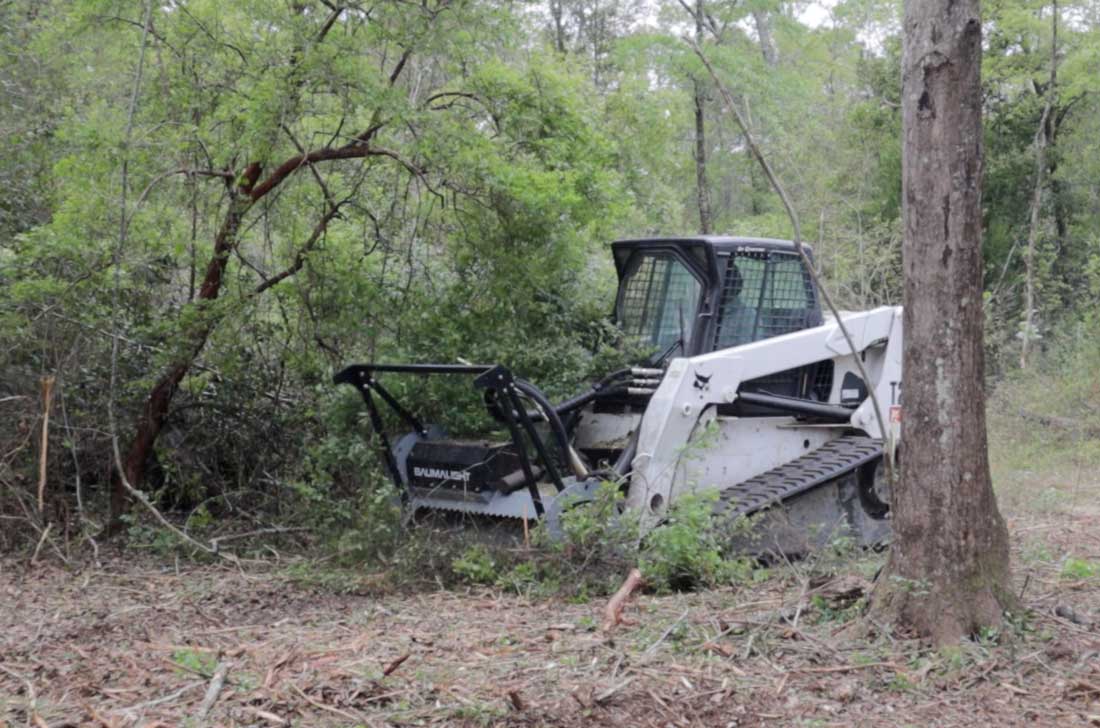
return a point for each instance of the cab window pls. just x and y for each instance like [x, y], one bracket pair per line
[659, 300]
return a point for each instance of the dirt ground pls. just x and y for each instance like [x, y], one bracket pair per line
[126, 644]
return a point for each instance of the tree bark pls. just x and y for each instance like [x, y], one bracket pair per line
[948, 572]
[702, 189]
[764, 33]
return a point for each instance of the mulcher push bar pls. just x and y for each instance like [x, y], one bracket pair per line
[417, 369]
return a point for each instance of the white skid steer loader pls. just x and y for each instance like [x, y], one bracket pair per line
[752, 393]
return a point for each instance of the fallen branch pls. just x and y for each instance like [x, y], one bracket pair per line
[392, 667]
[317, 704]
[131, 710]
[613, 612]
[28, 687]
[664, 635]
[850, 668]
[42, 539]
[212, 692]
[606, 694]
[269, 717]
[47, 400]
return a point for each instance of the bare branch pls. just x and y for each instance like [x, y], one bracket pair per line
[329, 21]
[732, 108]
[312, 168]
[222, 174]
[353, 150]
[300, 257]
[396, 72]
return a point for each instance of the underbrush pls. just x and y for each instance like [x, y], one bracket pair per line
[598, 544]
[1044, 426]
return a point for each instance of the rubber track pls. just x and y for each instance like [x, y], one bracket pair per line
[833, 459]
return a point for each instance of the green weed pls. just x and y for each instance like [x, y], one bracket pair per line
[1080, 569]
[197, 661]
[476, 565]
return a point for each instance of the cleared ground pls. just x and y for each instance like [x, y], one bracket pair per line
[127, 644]
[140, 643]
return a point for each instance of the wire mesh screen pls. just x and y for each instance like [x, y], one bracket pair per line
[764, 294]
[660, 298]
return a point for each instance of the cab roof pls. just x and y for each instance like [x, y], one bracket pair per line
[701, 248]
[717, 241]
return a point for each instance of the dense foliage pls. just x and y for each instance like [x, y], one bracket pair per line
[226, 202]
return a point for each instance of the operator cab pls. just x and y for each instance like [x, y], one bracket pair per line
[690, 296]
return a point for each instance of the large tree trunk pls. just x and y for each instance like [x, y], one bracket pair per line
[948, 573]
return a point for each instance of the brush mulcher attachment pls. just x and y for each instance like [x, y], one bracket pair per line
[750, 393]
[518, 477]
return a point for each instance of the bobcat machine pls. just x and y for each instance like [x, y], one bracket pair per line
[751, 392]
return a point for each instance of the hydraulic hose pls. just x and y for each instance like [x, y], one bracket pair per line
[585, 397]
[544, 410]
[556, 426]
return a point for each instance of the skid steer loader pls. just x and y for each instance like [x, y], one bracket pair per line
[751, 392]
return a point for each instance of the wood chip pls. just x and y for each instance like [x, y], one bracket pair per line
[269, 717]
[607, 694]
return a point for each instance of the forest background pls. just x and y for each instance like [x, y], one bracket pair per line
[225, 203]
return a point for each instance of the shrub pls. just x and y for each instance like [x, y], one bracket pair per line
[686, 551]
[476, 565]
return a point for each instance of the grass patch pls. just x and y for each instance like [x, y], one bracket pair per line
[1043, 421]
[1080, 569]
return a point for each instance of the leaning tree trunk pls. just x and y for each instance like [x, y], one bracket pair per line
[155, 410]
[252, 185]
[948, 573]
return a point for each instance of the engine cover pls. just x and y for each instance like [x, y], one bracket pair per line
[465, 469]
